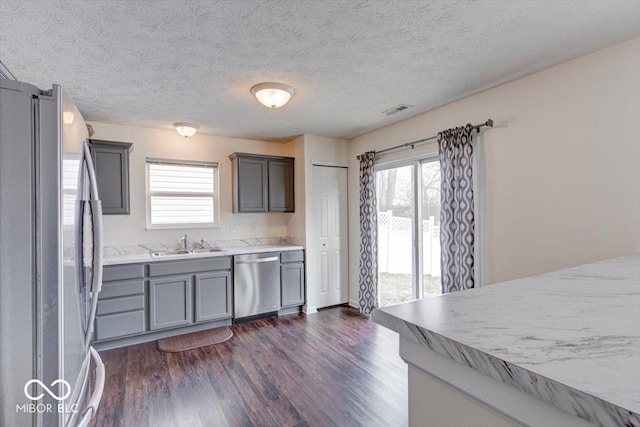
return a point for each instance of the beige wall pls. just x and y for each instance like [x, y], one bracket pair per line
[561, 167]
[147, 142]
[296, 224]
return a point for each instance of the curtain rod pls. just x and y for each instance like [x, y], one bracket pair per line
[488, 123]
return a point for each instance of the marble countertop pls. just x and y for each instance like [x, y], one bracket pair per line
[570, 338]
[142, 255]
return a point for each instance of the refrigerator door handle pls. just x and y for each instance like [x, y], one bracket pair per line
[98, 256]
[79, 389]
[97, 235]
[96, 396]
[96, 219]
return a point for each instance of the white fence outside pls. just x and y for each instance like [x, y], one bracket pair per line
[395, 245]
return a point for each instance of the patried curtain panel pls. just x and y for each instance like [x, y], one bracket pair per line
[455, 148]
[368, 276]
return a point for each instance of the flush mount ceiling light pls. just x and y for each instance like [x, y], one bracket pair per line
[186, 129]
[273, 95]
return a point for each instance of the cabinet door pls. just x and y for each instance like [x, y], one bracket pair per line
[281, 189]
[111, 162]
[252, 185]
[213, 296]
[292, 284]
[170, 302]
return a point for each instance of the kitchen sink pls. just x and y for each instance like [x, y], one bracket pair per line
[205, 250]
[183, 252]
[169, 253]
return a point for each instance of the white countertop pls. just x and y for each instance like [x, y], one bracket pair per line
[139, 257]
[571, 337]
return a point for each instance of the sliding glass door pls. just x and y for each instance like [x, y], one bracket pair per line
[408, 231]
[395, 188]
[430, 221]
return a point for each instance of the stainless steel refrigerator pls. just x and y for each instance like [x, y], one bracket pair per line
[50, 261]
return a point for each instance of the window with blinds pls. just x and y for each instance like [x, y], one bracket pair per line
[182, 194]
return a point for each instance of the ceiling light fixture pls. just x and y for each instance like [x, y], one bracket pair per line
[67, 117]
[186, 129]
[273, 95]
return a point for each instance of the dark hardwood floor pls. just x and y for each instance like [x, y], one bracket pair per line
[333, 368]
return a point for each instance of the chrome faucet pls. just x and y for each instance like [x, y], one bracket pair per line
[201, 244]
[185, 242]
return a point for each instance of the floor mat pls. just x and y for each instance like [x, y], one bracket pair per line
[194, 340]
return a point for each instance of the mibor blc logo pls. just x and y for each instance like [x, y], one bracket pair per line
[40, 408]
[51, 393]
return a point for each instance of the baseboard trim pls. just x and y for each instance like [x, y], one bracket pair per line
[310, 310]
[353, 303]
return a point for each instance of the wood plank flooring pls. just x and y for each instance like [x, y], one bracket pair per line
[333, 368]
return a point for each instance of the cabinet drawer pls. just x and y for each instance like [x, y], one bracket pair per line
[119, 325]
[291, 256]
[191, 266]
[118, 305]
[122, 272]
[122, 289]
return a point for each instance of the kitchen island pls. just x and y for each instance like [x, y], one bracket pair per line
[561, 348]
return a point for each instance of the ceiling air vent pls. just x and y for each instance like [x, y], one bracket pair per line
[396, 109]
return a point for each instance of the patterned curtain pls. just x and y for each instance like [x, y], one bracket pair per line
[368, 279]
[456, 214]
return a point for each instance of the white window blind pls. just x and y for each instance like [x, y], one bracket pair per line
[182, 193]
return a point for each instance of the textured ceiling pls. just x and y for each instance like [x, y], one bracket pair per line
[154, 63]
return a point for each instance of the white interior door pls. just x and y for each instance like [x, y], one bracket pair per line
[330, 210]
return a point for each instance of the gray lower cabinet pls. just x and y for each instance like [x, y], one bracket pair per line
[121, 306]
[170, 302]
[119, 325]
[138, 299]
[213, 296]
[291, 279]
[292, 284]
[185, 292]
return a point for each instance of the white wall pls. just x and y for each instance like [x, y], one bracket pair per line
[159, 143]
[561, 167]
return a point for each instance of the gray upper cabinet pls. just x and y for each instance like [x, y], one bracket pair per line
[281, 185]
[262, 183]
[251, 191]
[111, 162]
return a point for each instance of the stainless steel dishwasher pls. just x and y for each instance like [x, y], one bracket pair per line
[256, 284]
